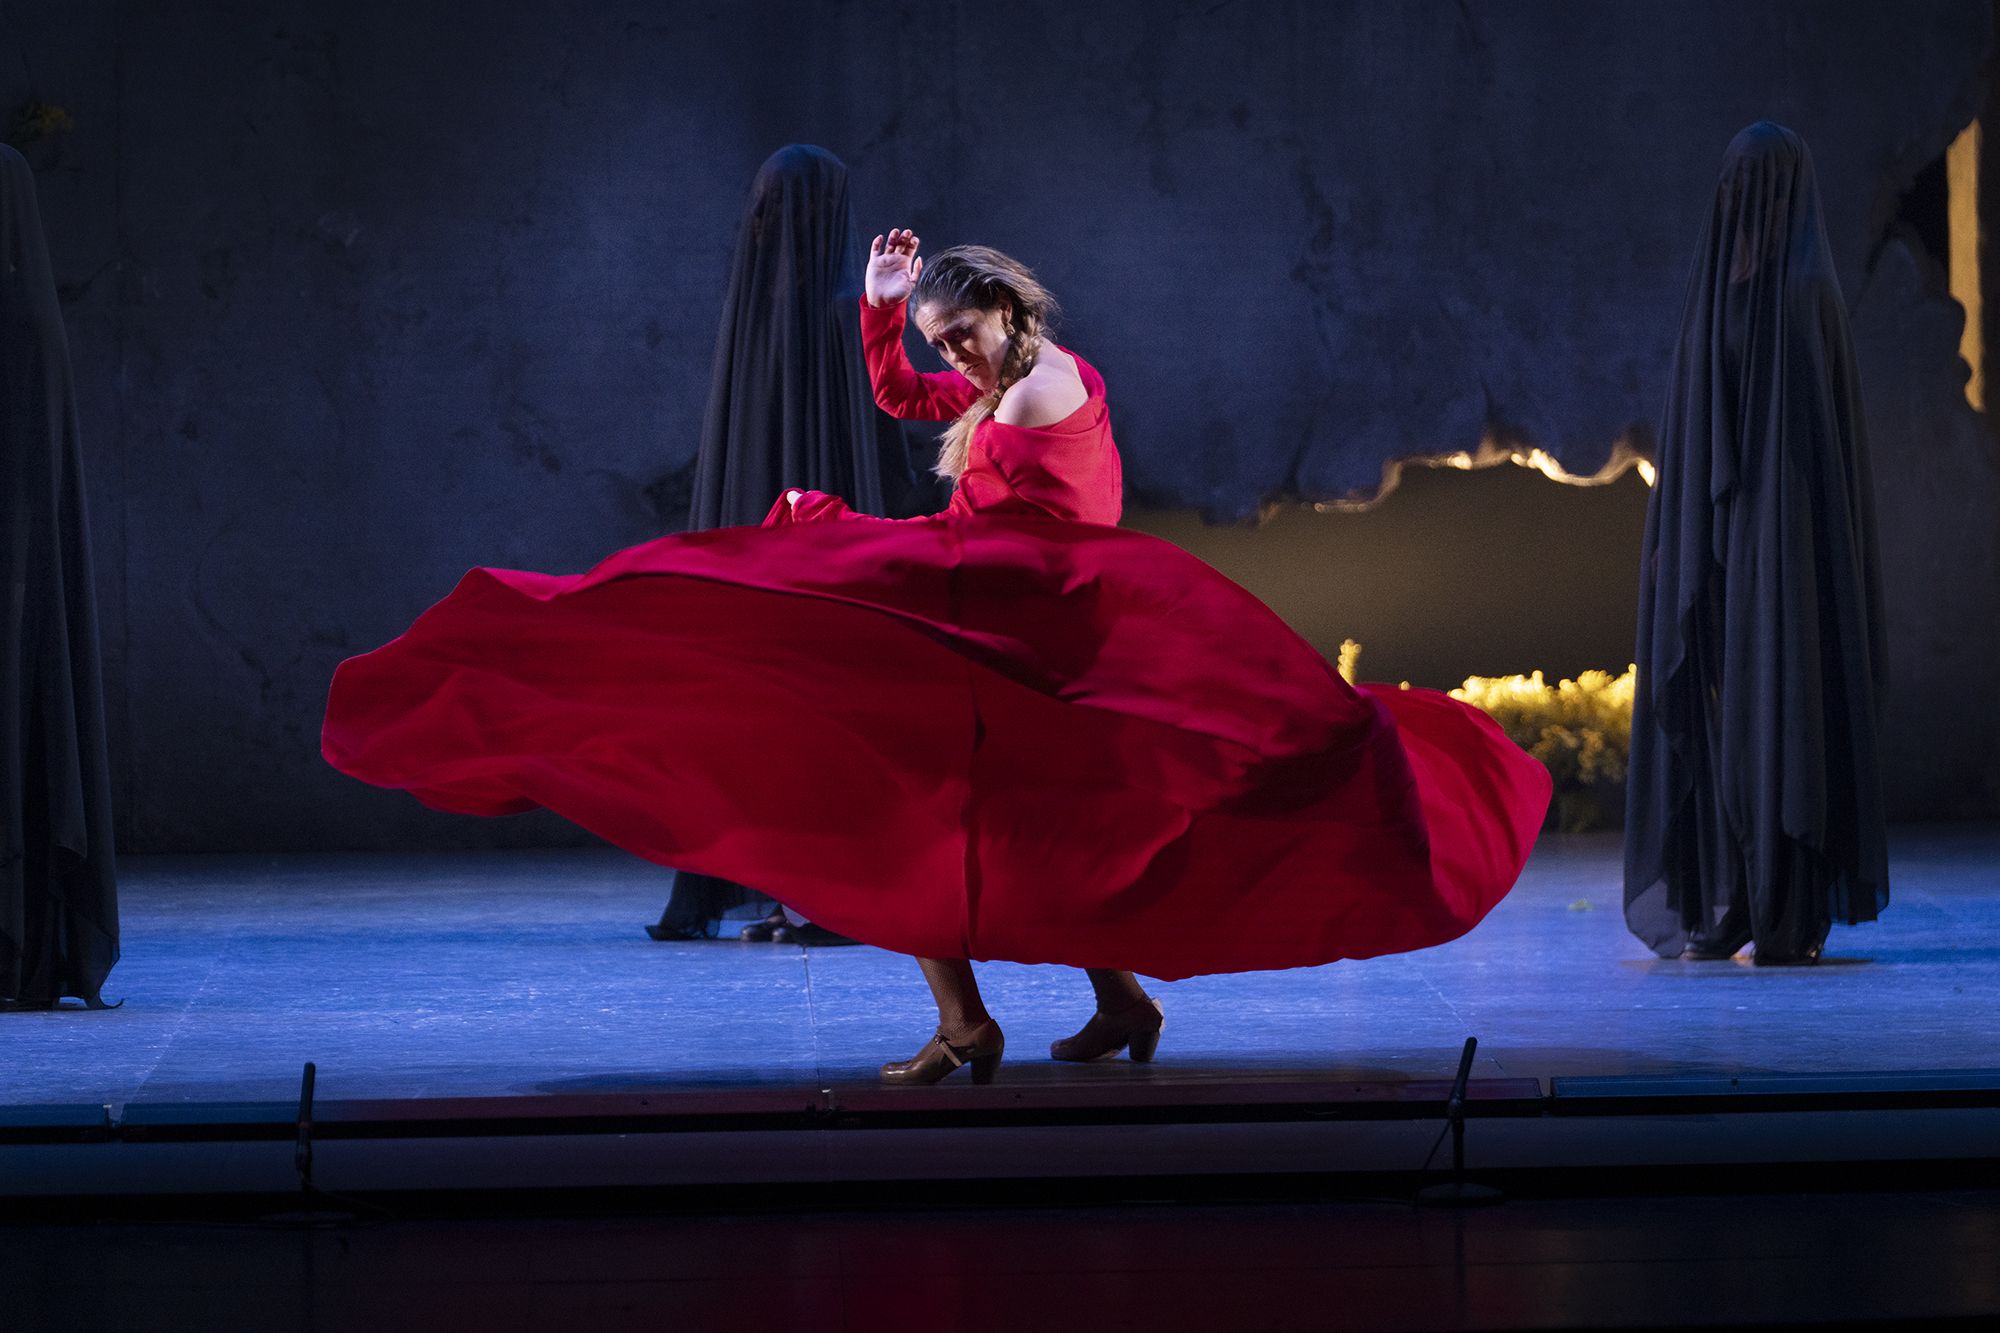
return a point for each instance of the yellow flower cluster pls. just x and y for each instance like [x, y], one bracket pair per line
[1580, 729]
[45, 119]
[36, 120]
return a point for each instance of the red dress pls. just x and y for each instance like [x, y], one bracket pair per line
[1009, 730]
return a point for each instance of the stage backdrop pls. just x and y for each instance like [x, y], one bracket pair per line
[363, 294]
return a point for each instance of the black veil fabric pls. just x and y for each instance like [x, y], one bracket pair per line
[790, 403]
[58, 881]
[1754, 807]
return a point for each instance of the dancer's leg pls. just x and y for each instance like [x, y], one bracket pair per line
[967, 1034]
[960, 1008]
[1116, 991]
[1126, 1018]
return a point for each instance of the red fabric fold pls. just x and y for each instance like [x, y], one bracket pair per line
[992, 737]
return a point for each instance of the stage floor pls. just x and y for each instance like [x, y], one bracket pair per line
[522, 974]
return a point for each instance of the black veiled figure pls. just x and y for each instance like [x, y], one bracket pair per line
[58, 882]
[1754, 808]
[790, 403]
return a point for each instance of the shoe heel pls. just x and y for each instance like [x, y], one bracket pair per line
[984, 1067]
[1142, 1046]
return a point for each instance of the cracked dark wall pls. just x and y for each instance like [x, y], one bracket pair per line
[364, 294]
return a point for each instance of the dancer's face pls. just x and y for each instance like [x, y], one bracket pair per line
[972, 342]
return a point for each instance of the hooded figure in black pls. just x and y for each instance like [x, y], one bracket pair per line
[58, 887]
[1754, 809]
[790, 404]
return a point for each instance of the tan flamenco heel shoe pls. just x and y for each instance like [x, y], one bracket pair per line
[981, 1049]
[1135, 1029]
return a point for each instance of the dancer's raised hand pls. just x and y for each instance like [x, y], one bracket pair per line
[893, 267]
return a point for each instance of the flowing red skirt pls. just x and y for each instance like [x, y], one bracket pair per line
[986, 737]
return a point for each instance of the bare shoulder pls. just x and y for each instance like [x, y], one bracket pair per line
[1047, 394]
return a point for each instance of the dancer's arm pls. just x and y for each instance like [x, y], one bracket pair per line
[899, 388]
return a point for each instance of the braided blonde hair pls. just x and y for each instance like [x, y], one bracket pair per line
[976, 277]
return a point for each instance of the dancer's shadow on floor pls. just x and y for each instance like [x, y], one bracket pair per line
[1208, 1073]
[1206, 1077]
[612, 1082]
[1201, 1070]
[1547, 1062]
[1946, 954]
[1736, 967]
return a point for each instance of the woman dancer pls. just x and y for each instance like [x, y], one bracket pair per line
[988, 318]
[1008, 730]
[1754, 804]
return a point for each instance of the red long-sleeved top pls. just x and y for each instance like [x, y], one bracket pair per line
[1069, 469]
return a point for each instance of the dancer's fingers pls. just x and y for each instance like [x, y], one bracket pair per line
[875, 248]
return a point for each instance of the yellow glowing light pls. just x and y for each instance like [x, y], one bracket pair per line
[1961, 174]
[1624, 458]
[1542, 462]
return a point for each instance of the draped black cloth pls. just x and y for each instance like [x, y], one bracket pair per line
[790, 403]
[58, 883]
[1754, 808]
